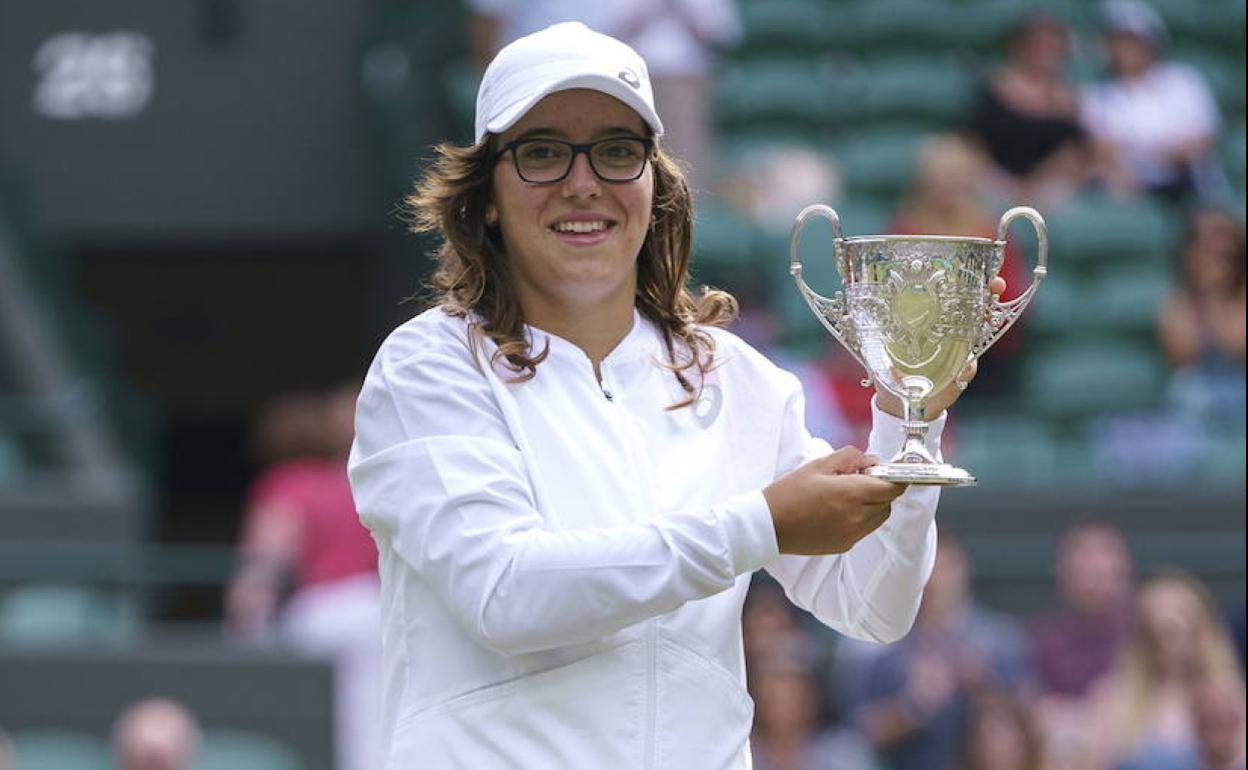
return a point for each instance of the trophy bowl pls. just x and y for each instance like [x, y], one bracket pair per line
[915, 310]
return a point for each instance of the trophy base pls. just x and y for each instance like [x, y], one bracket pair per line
[926, 474]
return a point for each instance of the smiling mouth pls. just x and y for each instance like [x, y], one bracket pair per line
[583, 227]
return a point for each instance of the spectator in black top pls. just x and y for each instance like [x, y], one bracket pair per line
[1026, 117]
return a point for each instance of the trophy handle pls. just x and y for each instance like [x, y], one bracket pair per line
[1002, 315]
[829, 310]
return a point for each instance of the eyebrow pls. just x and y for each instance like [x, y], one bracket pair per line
[542, 131]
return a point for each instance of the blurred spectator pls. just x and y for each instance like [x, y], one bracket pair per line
[917, 696]
[1075, 645]
[1154, 123]
[1002, 734]
[944, 199]
[1235, 621]
[1026, 117]
[1219, 714]
[1142, 712]
[6, 752]
[156, 734]
[787, 724]
[301, 528]
[679, 40]
[1201, 328]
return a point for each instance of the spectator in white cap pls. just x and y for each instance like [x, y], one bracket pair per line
[1154, 123]
[571, 470]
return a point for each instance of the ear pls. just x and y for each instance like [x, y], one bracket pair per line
[491, 215]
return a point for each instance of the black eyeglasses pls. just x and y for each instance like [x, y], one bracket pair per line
[544, 161]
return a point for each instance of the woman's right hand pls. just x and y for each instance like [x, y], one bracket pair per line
[827, 505]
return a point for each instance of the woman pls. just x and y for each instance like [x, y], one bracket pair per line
[1026, 117]
[1201, 325]
[1142, 712]
[571, 473]
[1153, 123]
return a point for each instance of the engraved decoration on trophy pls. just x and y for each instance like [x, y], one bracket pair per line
[915, 311]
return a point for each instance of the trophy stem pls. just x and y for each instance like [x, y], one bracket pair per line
[915, 449]
[914, 464]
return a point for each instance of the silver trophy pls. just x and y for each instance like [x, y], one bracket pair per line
[915, 311]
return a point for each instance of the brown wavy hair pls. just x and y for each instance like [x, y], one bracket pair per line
[471, 279]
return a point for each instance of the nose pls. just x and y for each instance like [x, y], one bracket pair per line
[581, 181]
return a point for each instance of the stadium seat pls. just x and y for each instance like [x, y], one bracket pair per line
[1092, 231]
[1126, 299]
[224, 749]
[1091, 376]
[723, 244]
[931, 88]
[55, 749]
[778, 91]
[783, 27]
[1055, 310]
[878, 165]
[1005, 449]
[66, 615]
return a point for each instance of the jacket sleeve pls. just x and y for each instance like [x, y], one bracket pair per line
[438, 477]
[872, 591]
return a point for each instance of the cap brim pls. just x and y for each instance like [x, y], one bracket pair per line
[611, 86]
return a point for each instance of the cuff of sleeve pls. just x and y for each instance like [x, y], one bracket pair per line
[888, 435]
[750, 530]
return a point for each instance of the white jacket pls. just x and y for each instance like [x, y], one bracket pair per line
[563, 563]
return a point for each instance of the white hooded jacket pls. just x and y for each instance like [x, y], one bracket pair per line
[564, 561]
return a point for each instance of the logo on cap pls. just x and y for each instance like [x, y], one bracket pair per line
[628, 77]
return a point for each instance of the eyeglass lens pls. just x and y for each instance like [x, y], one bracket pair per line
[548, 160]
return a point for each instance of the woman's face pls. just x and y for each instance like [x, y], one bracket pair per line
[1172, 617]
[553, 267]
[1129, 55]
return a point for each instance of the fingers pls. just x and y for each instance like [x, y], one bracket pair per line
[845, 460]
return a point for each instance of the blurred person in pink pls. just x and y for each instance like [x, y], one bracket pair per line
[1076, 644]
[1141, 714]
[307, 567]
[6, 752]
[1002, 734]
[790, 732]
[1219, 713]
[156, 734]
[1154, 123]
[916, 703]
[1026, 118]
[1201, 326]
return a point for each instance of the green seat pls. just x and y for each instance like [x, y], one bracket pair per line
[782, 27]
[1092, 376]
[931, 88]
[771, 92]
[723, 244]
[878, 165]
[64, 615]
[55, 749]
[1126, 299]
[1004, 450]
[1056, 309]
[224, 749]
[1092, 231]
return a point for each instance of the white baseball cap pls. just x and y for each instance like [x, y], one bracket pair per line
[561, 57]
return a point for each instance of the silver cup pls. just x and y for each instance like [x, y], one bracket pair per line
[915, 311]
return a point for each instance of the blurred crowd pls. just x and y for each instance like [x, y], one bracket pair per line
[1118, 676]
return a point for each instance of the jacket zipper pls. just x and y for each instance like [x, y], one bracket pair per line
[650, 747]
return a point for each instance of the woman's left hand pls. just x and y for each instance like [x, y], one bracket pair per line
[939, 402]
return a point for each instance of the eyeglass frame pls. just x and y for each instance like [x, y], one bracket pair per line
[577, 149]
